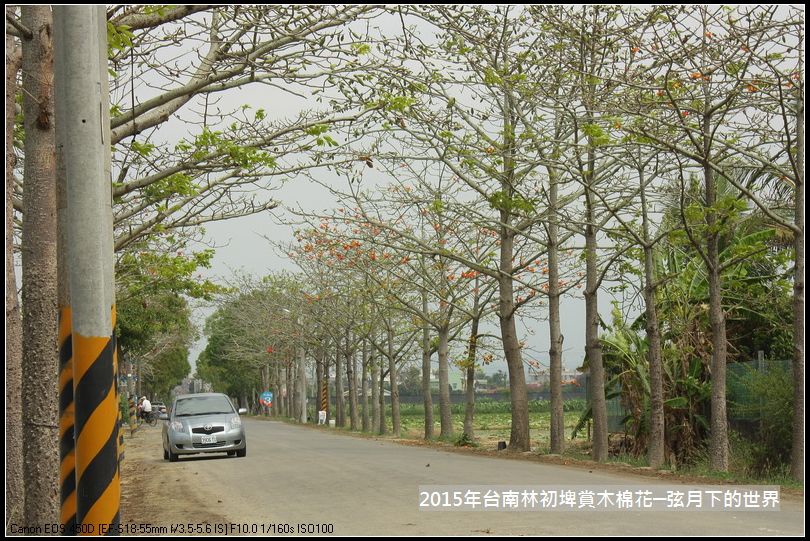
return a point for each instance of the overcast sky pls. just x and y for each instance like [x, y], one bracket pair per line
[242, 247]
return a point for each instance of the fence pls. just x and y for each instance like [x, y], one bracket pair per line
[744, 403]
[744, 396]
[615, 411]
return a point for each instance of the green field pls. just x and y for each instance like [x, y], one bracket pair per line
[491, 427]
[492, 421]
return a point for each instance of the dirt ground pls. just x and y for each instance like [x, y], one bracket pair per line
[152, 492]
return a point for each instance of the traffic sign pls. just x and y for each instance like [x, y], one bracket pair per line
[266, 399]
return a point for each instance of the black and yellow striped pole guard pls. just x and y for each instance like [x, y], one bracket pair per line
[98, 489]
[133, 421]
[117, 390]
[67, 456]
[324, 395]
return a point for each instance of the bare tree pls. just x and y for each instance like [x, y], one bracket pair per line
[204, 177]
[14, 437]
[705, 84]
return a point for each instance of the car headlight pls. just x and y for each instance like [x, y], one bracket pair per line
[236, 422]
[177, 426]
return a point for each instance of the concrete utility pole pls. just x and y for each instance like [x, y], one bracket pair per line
[80, 34]
[67, 456]
[108, 239]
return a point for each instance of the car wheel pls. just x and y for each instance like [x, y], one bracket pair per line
[165, 454]
[173, 457]
[241, 452]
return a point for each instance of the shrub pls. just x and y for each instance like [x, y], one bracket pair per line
[770, 408]
[464, 440]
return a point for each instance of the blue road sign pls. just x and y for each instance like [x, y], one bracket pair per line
[266, 398]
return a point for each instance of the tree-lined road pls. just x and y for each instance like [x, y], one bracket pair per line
[366, 486]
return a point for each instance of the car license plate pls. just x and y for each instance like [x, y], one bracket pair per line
[209, 439]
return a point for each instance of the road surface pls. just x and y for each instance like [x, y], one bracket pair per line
[362, 486]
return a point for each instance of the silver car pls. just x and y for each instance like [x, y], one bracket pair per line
[203, 423]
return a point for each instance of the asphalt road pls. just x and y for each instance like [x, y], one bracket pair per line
[295, 475]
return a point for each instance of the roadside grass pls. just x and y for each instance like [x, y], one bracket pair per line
[740, 471]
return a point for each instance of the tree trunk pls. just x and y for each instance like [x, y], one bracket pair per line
[797, 451]
[592, 344]
[351, 374]
[364, 388]
[282, 399]
[264, 375]
[445, 413]
[340, 415]
[39, 275]
[426, 390]
[519, 439]
[318, 381]
[392, 377]
[288, 369]
[276, 386]
[656, 448]
[718, 441]
[295, 403]
[14, 458]
[469, 406]
[301, 384]
[355, 395]
[555, 334]
[383, 429]
[519, 435]
[279, 400]
[375, 392]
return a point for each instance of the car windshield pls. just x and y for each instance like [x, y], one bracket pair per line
[202, 405]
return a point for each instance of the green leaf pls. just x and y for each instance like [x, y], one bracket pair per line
[144, 149]
[596, 133]
[491, 77]
[361, 48]
[679, 402]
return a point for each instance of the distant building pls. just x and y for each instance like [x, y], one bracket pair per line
[540, 377]
[537, 377]
[481, 385]
[455, 379]
[190, 386]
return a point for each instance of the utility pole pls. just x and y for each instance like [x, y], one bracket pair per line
[80, 34]
[67, 455]
[108, 241]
